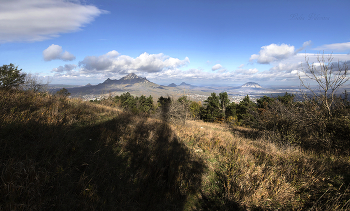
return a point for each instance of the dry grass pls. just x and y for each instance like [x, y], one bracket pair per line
[59, 154]
[257, 174]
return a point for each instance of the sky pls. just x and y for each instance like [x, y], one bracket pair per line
[200, 42]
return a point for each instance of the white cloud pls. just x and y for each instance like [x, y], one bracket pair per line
[273, 52]
[247, 72]
[55, 52]
[216, 67]
[37, 20]
[305, 44]
[240, 66]
[65, 68]
[113, 63]
[335, 47]
[161, 69]
[66, 56]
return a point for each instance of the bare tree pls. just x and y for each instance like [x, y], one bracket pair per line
[35, 83]
[329, 76]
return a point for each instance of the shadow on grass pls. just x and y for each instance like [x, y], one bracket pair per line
[127, 163]
[247, 133]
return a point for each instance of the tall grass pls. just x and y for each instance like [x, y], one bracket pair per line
[65, 154]
[255, 173]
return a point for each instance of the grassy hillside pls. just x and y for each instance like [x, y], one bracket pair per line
[65, 154]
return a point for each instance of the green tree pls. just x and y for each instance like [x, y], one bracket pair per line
[231, 110]
[246, 111]
[264, 101]
[128, 101]
[212, 109]
[11, 76]
[145, 105]
[224, 101]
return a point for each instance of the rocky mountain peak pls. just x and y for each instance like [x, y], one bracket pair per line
[130, 76]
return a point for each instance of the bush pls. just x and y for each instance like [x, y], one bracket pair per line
[306, 124]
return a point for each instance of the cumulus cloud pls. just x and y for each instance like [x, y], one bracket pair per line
[65, 68]
[273, 52]
[216, 67]
[335, 47]
[112, 62]
[160, 68]
[55, 52]
[285, 71]
[66, 71]
[37, 20]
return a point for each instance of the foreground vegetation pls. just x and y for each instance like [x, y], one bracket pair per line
[59, 153]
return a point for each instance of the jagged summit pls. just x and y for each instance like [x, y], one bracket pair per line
[251, 85]
[131, 78]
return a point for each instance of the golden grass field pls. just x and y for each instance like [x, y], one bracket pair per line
[66, 154]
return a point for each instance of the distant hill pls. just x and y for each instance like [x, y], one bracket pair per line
[184, 84]
[130, 82]
[172, 85]
[251, 85]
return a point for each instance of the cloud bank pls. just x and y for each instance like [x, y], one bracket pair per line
[161, 69]
[55, 52]
[37, 20]
[112, 62]
[335, 47]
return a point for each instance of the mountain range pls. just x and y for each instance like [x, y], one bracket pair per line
[138, 86]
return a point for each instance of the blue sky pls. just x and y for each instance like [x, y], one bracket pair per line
[201, 42]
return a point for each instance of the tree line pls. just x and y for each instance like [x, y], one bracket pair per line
[306, 123]
[320, 120]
